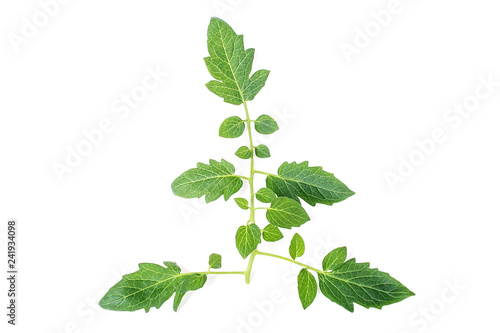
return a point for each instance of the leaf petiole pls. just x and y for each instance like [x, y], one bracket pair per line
[290, 260]
[214, 272]
[263, 173]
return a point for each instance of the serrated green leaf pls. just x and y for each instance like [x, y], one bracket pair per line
[334, 258]
[151, 286]
[354, 282]
[230, 64]
[265, 195]
[262, 151]
[297, 247]
[308, 288]
[232, 127]
[244, 153]
[247, 239]
[271, 233]
[215, 261]
[242, 203]
[286, 213]
[211, 180]
[266, 124]
[311, 184]
[190, 283]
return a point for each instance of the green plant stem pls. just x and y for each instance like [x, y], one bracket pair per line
[248, 271]
[252, 165]
[215, 272]
[251, 260]
[228, 272]
[287, 259]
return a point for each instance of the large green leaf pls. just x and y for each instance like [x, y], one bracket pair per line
[311, 184]
[230, 65]
[354, 282]
[247, 239]
[151, 286]
[211, 180]
[286, 213]
[307, 286]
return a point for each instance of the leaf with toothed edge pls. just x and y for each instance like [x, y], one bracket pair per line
[354, 282]
[151, 286]
[311, 184]
[230, 65]
[211, 180]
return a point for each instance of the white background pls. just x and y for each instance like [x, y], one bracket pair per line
[356, 119]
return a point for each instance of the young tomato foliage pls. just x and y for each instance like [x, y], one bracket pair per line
[343, 281]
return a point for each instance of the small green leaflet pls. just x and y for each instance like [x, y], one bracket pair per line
[297, 246]
[307, 286]
[151, 286]
[334, 258]
[232, 127]
[215, 261]
[266, 125]
[242, 203]
[311, 184]
[354, 282]
[265, 195]
[271, 233]
[286, 213]
[244, 153]
[262, 151]
[230, 64]
[212, 180]
[247, 239]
